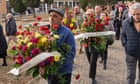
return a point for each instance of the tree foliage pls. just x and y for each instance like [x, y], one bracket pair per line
[31, 3]
[18, 6]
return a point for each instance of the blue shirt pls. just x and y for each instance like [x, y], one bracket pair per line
[66, 36]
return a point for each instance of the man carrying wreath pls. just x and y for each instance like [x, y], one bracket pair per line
[66, 36]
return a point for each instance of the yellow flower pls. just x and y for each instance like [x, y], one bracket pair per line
[56, 58]
[56, 36]
[29, 44]
[19, 37]
[43, 40]
[65, 21]
[37, 35]
[71, 25]
[26, 40]
[74, 31]
[20, 41]
[72, 20]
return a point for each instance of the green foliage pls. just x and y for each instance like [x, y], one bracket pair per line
[49, 2]
[31, 3]
[17, 5]
[83, 4]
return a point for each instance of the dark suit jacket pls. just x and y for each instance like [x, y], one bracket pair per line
[11, 27]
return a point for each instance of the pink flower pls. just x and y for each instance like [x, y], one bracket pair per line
[34, 40]
[14, 48]
[19, 59]
[24, 48]
[42, 64]
[28, 58]
[35, 51]
[20, 47]
[50, 59]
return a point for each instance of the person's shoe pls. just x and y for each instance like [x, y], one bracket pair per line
[93, 82]
[104, 66]
[101, 61]
[138, 82]
[4, 64]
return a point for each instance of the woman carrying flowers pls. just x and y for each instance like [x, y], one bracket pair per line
[66, 36]
[93, 45]
[110, 39]
[70, 21]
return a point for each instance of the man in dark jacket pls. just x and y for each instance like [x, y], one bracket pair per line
[131, 42]
[10, 28]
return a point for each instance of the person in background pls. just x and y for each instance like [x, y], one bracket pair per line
[3, 47]
[130, 39]
[118, 21]
[66, 36]
[10, 28]
[110, 39]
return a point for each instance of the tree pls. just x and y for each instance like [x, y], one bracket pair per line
[18, 6]
[83, 4]
[49, 2]
[32, 3]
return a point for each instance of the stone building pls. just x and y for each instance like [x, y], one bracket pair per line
[3, 7]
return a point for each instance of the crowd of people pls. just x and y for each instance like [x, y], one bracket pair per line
[124, 19]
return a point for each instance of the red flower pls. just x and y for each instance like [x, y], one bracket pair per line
[55, 26]
[50, 59]
[38, 18]
[42, 28]
[77, 76]
[97, 20]
[28, 58]
[85, 45]
[24, 48]
[20, 47]
[42, 64]
[19, 59]
[34, 40]
[14, 47]
[35, 51]
[22, 33]
[35, 24]
[20, 27]
[17, 33]
[47, 31]
[106, 23]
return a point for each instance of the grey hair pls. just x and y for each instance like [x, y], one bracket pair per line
[135, 6]
[10, 14]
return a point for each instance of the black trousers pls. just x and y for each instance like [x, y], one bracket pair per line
[104, 54]
[58, 80]
[131, 69]
[92, 56]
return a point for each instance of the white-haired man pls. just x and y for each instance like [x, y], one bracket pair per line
[10, 28]
[131, 41]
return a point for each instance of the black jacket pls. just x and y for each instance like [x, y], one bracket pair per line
[3, 43]
[11, 27]
[130, 38]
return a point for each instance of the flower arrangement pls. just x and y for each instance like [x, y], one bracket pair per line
[70, 21]
[91, 24]
[33, 40]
